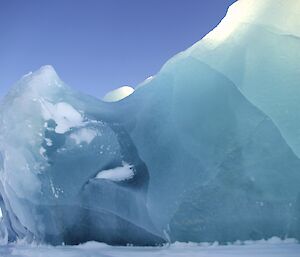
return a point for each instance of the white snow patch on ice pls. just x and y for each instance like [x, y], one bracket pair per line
[269, 13]
[53, 189]
[64, 115]
[48, 141]
[124, 172]
[145, 82]
[118, 94]
[42, 151]
[84, 135]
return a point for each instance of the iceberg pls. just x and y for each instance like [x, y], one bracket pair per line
[205, 150]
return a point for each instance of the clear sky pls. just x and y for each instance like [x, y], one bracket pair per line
[99, 45]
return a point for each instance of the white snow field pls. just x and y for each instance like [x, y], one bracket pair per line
[271, 248]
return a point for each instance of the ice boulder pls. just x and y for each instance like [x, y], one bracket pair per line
[68, 174]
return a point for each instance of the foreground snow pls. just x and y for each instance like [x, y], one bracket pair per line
[271, 248]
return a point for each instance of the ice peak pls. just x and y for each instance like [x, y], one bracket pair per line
[46, 73]
[42, 83]
[41, 80]
[282, 15]
[47, 69]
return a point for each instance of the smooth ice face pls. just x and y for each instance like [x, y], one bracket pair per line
[60, 176]
[219, 168]
[257, 46]
[279, 15]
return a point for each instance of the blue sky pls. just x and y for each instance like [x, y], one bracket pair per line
[98, 45]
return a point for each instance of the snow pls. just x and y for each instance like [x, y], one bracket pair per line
[286, 248]
[118, 94]
[269, 13]
[124, 172]
[257, 47]
[42, 151]
[48, 142]
[64, 115]
[145, 82]
[84, 135]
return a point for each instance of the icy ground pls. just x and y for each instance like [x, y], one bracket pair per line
[271, 248]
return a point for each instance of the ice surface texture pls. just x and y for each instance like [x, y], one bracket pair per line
[219, 168]
[257, 46]
[55, 147]
[205, 150]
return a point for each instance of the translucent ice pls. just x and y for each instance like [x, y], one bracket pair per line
[217, 129]
[55, 149]
[257, 46]
[219, 167]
